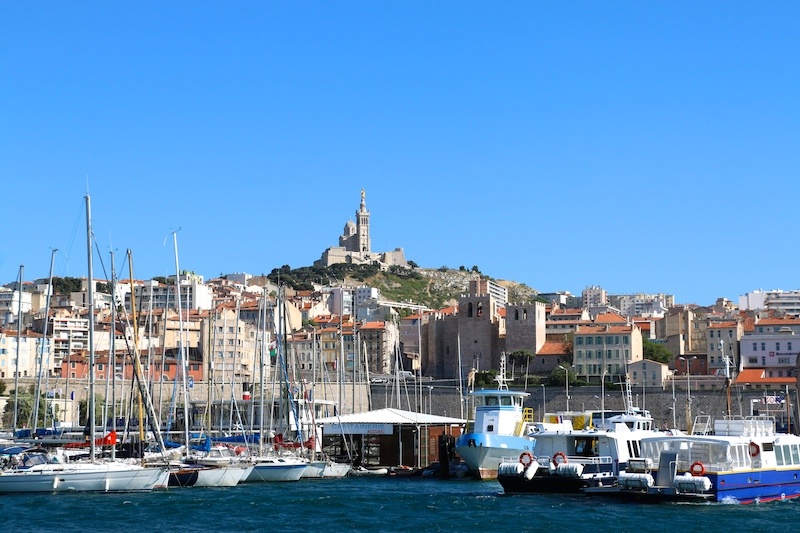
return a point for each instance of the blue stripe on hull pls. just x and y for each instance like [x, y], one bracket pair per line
[754, 486]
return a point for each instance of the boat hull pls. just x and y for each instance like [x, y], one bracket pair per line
[483, 452]
[81, 478]
[314, 470]
[276, 471]
[224, 476]
[184, 477]
[541, 484]
[336, 470]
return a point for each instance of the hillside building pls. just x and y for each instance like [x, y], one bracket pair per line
[355, 244]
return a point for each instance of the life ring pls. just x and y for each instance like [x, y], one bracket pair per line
[697, 469]
[755, 449]
[558, 455]
[526, 459]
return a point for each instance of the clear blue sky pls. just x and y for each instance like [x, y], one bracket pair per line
[640, 146]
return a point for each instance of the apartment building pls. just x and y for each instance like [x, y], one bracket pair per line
[606, 349]
[28, 351]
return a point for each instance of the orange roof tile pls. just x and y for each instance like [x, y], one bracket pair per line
[553, 348]
[758, 375]
[722, 325]
[610, 317]
[772, 321]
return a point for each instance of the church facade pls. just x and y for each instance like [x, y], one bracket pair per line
[355, 244]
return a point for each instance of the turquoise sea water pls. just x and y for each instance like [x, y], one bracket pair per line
[376, 505]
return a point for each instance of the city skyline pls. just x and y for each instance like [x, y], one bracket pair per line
[641, 148]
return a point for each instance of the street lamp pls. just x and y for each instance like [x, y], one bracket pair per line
[544, 401]
[674, 414]
[603, 397]
[566, 383]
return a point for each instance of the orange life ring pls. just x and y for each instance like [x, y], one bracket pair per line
[563, 457]
[755, 449]
[697, 468]
[526, 459]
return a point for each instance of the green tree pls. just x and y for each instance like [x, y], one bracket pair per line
[486, 378]
[520, 357]
[66, 285]
[2, 387]
[657, 352]
[558, 375]
[98, 410]
[25, 401]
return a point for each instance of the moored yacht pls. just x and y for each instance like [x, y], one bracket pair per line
[499, 429]
[735, 459]
[36, 470]
[577, 452]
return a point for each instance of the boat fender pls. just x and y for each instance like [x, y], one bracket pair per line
[509, 469]
[559, 458]
[525, 458]
[755, 449]
[574, 470]
[697, 469]
[530, 471]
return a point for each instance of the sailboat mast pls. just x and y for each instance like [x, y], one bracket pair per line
[137, 365]
[40, 361]
[181, 348]
[261, 358]
[90, 295]
[234, 405]
[19, 343]
[112, 356]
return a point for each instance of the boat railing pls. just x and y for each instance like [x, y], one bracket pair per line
[579, 459]
[751, 426]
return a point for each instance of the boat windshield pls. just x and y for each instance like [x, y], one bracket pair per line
[28, 460]
[715, 455]
[505, 401]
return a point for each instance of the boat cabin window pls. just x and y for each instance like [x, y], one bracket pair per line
[767, 446]
[586, 447]
[491, 400]
[633, 448]
[786, 454]
[795, 455]
[33, 459]
[505, 400]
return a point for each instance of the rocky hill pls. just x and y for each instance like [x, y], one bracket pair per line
[436, 288]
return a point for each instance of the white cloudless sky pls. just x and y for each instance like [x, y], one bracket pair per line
[648, 147]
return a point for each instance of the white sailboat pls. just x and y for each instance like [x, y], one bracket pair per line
[36, 470]
[268, 465]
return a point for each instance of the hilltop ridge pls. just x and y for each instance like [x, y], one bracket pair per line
[436, 288]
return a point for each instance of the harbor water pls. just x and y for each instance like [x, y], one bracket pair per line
[379, 504]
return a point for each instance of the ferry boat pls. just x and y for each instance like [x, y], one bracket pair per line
[740, 459]
[499, 429]
[577, 450]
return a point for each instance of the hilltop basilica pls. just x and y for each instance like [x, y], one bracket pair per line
[355, 245]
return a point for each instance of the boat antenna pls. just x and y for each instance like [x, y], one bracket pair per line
[502, 381]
